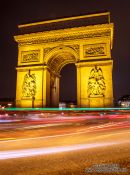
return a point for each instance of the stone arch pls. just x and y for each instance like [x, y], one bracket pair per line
[46, 47]
[59, 56]
[55, 60]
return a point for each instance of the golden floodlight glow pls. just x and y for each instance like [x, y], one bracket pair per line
[44, 48]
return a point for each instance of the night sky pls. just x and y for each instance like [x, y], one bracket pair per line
[13, 13]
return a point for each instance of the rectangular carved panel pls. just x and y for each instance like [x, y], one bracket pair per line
[95, 50]
[30, 56]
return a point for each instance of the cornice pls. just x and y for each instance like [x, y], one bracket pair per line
[90, 64]
[66, 34]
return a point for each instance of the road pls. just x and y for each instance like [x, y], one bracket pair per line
[80, 147]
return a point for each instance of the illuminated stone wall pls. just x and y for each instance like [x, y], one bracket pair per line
[95, 84]
[29, 91]
[42, 55]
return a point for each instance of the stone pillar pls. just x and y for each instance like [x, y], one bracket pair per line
[54, 97]
[46, 87]
[94, 84]
[33, 87]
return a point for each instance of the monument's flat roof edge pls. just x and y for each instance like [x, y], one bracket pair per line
[65, 19]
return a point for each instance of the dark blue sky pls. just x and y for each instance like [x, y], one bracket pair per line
[17, 12]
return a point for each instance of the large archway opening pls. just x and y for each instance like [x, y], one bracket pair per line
[68, 84]
[63, 75]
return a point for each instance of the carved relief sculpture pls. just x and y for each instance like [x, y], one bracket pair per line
[96, 83]
[94, 50]
[30, 56]
[29, 86]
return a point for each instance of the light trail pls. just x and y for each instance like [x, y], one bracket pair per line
[52, 150]
[43, 126]
[83, 131]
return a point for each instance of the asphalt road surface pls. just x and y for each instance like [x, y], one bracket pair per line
[75, 147]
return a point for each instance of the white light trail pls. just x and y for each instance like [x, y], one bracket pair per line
[42, 151]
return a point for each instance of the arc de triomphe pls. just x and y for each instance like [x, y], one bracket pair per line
[44, 48]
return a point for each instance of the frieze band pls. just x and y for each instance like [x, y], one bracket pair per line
[63, 38]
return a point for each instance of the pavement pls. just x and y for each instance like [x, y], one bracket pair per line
[82, 147]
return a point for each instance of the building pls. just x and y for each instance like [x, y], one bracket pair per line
[44, 48]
